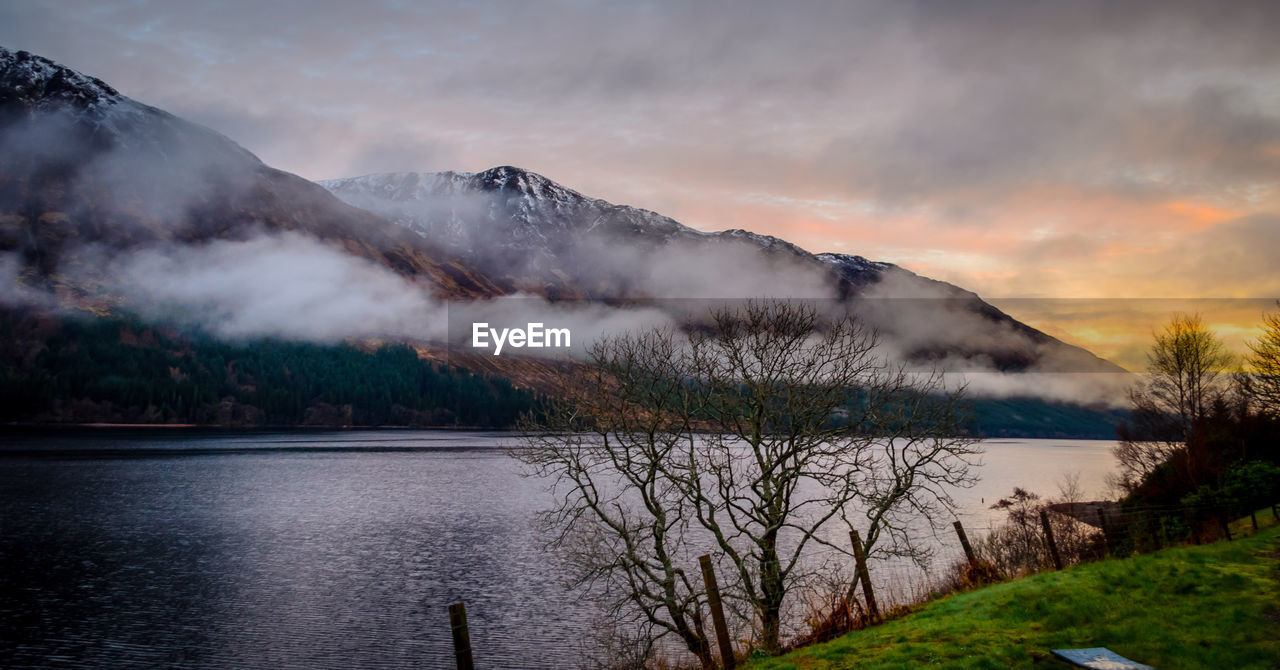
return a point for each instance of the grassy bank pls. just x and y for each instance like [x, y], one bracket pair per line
[1216, 606]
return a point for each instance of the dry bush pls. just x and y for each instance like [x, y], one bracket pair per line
[962, 575]
[830, 616]
[1018, 546]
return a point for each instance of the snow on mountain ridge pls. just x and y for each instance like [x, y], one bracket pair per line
[851, 260]
[528, 194]
[32, 86]
[404, 186]
[514, 204]
[91, 167]
[533, 195]
[536, 233]
[87, 168]
[35, 78]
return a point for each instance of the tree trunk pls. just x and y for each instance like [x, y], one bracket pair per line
[702, 649]
[695, 640]
[772, 591]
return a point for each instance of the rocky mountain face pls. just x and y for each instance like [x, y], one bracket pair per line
[87, 172]
[533, 235]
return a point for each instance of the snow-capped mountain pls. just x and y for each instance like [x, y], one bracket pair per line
[531, 234]
[88, 173]
[521, 206]
[85, 167]
[34, 87]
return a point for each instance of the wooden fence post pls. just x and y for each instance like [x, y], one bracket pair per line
[717, 612]
[461, 637]
[863, 575]
[1156, 537]
[1048, 537]
[1106, 531]
[964, 542]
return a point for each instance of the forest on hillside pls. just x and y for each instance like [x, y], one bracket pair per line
[92, 369]
[84, 369]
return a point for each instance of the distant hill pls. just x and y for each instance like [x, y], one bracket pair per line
[1030, 417]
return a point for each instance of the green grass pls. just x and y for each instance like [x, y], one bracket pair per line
[1215, 606]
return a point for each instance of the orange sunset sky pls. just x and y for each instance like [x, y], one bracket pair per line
[1089, 167]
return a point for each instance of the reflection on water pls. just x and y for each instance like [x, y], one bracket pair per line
[309, 550]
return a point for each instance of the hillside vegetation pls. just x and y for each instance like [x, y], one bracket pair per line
[1215, 606]
[117, 370]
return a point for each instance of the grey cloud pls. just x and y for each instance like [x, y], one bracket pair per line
[943, 106]
[911, 99]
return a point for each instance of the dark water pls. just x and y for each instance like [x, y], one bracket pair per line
[303, 550]
[179, 555]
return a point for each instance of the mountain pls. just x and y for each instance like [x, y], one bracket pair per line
[530, 234]
[88, 173]
[535, 235]
[98, 190]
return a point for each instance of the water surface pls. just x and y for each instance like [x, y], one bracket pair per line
[313, 550]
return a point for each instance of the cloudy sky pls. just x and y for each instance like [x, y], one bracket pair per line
[1021, 149]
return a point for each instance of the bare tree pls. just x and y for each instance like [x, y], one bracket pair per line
[1262, 381]
[1185, 374]
[763, 434]
[609, 440]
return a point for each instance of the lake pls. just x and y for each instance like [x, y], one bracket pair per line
[159, 548]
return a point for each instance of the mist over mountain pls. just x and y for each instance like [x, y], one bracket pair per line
[90, 177]
[110, 205]
[533, 235]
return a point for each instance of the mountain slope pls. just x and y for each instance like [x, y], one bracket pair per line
[99, 193]
[533, 235]
[88, 168]
[89, 175]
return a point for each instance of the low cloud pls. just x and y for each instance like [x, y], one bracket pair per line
[928, 324]
[286, 286]
[15, 291]
[293, 287]
[1087, 388]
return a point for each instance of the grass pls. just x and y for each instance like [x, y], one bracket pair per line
[1214, 606]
